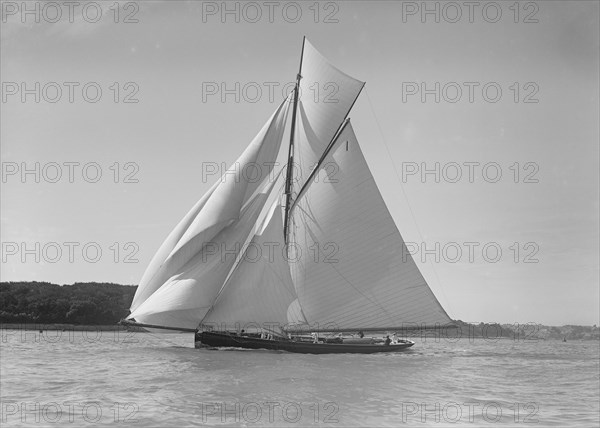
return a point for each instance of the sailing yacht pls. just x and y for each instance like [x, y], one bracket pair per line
[265, 259]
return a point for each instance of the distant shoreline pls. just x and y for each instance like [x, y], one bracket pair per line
[99, 307]
[424, 334]
[67, 327]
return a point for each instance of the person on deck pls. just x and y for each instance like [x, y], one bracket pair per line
[388, 340]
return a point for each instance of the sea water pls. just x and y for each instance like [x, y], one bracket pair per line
[75, 378]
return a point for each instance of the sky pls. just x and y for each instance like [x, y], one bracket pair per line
[506, 96]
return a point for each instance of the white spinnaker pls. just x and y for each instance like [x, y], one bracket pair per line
[186, 297]
[326, 96]
[150, 281]
[217, 209]
[259, 290]
[355, 270]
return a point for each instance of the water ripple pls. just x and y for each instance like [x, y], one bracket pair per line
[162, 381]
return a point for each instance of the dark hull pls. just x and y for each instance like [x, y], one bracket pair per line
[230, 340]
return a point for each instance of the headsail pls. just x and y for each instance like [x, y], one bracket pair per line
[355, 270]
[259, 290]
[151, 280]
[186, 297]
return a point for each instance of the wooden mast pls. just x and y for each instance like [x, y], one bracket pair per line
[290, 165]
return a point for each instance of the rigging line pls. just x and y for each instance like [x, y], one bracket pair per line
[406, 198]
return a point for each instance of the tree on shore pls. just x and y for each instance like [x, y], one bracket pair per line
[79, 303]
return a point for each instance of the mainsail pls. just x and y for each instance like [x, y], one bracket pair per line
[327, 256]
[355, 272]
